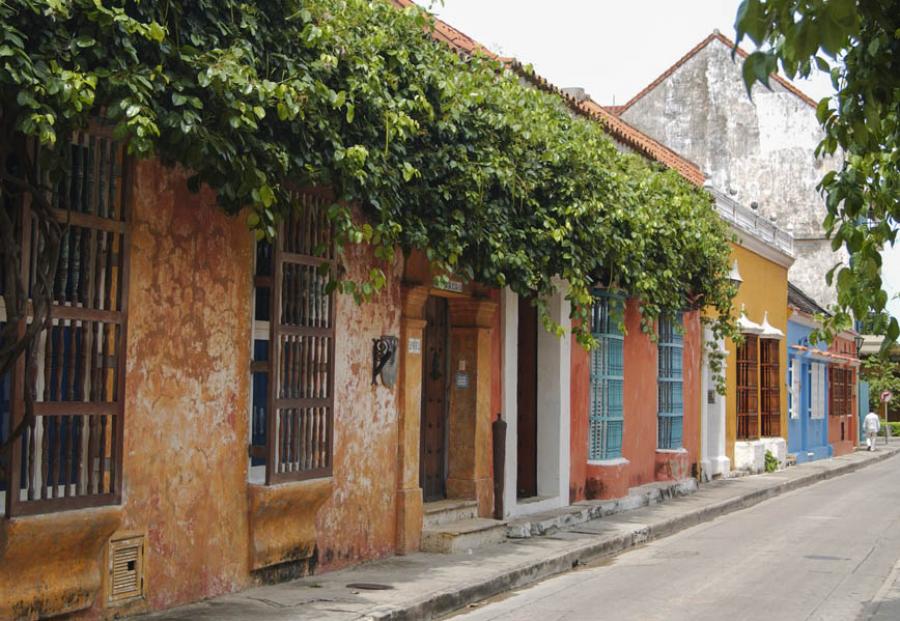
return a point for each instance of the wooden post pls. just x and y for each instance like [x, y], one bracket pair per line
[499, 438]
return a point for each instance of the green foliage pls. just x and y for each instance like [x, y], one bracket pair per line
[858, 45]
[493, 180]
[893, 426]
[882, 374]
[771, 462]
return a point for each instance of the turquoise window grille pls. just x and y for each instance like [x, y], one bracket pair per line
[670, 382]
[607, 374]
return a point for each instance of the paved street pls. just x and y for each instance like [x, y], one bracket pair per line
[823, 552]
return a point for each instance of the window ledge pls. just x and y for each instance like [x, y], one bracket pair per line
[607, 463]
[283, 520]
[50, 563]
[677, 451]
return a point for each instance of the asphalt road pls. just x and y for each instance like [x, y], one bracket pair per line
[829, 551]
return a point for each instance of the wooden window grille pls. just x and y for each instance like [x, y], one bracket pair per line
[292, 427]
[770, 388]
[747, 388]
[71, 456]
[670, 383]
[840, 390]
[606, 421]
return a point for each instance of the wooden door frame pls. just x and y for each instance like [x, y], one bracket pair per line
[445, 415]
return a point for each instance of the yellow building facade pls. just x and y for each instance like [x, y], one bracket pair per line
[738, 428]
[761, 298]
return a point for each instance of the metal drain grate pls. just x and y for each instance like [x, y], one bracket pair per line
[369, 586]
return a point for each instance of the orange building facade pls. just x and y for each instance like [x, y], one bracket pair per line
[644, 456]
[197, 501]
[843, 404]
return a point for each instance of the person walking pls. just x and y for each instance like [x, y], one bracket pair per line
[872, 425]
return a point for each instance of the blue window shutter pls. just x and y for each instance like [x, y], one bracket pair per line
[606, 419]
[670, 382]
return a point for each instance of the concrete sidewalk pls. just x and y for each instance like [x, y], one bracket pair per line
[426, 586]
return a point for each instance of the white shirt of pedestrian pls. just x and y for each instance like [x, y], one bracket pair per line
[871, 423]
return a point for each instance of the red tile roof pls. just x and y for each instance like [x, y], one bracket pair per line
[715, 36]
[614, 126]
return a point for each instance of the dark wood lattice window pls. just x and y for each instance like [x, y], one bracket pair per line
[71, 456]
[748, 388]
[770, 388]
[840, 391]
[293, 381]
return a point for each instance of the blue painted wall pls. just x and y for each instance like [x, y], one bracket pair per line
[807, 437]
[864, 406]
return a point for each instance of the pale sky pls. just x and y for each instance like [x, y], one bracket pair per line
[611, 49]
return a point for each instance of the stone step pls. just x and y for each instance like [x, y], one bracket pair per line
[462, 536]
[549, 522]
[447, 511]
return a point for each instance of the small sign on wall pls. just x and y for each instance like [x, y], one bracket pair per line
[455, 286]
[414, 346]
[462, 379]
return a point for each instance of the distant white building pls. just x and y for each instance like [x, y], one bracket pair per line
[759, 152]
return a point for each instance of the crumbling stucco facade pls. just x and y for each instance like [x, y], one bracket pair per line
[759, 150]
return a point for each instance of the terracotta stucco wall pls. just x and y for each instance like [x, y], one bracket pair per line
[639, 394]
[639, 439]
[692, 364]
[187, 390]
[764, 290]
[580, 386]
[846, 347]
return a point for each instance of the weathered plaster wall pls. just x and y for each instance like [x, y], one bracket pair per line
[763, 148]
[764, 290]
[187, 390]
[187, 407]
[357, 523]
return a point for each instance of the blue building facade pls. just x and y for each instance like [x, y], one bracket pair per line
[807, 382]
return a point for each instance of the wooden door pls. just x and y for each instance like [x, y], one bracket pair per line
[435, 373]
[526, 401]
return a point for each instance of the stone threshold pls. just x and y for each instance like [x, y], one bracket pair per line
[549, 522]
[430, 586]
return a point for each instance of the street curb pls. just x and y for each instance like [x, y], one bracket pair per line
[437, 605]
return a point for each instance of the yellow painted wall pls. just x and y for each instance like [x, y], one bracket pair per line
[764, 289]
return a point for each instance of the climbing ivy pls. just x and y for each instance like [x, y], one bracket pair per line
[494, 180]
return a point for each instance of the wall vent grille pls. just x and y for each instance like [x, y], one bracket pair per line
[126, 569]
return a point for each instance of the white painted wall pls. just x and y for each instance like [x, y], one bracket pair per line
[553, 401]
[713, 460]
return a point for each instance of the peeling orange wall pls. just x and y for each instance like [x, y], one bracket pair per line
[358, 522]
[187, 403]
[187, 390]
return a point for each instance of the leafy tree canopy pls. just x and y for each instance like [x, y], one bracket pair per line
[857, 42]
[882, 374]
[494, 180]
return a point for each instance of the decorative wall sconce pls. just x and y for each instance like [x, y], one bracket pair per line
[384, 360]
